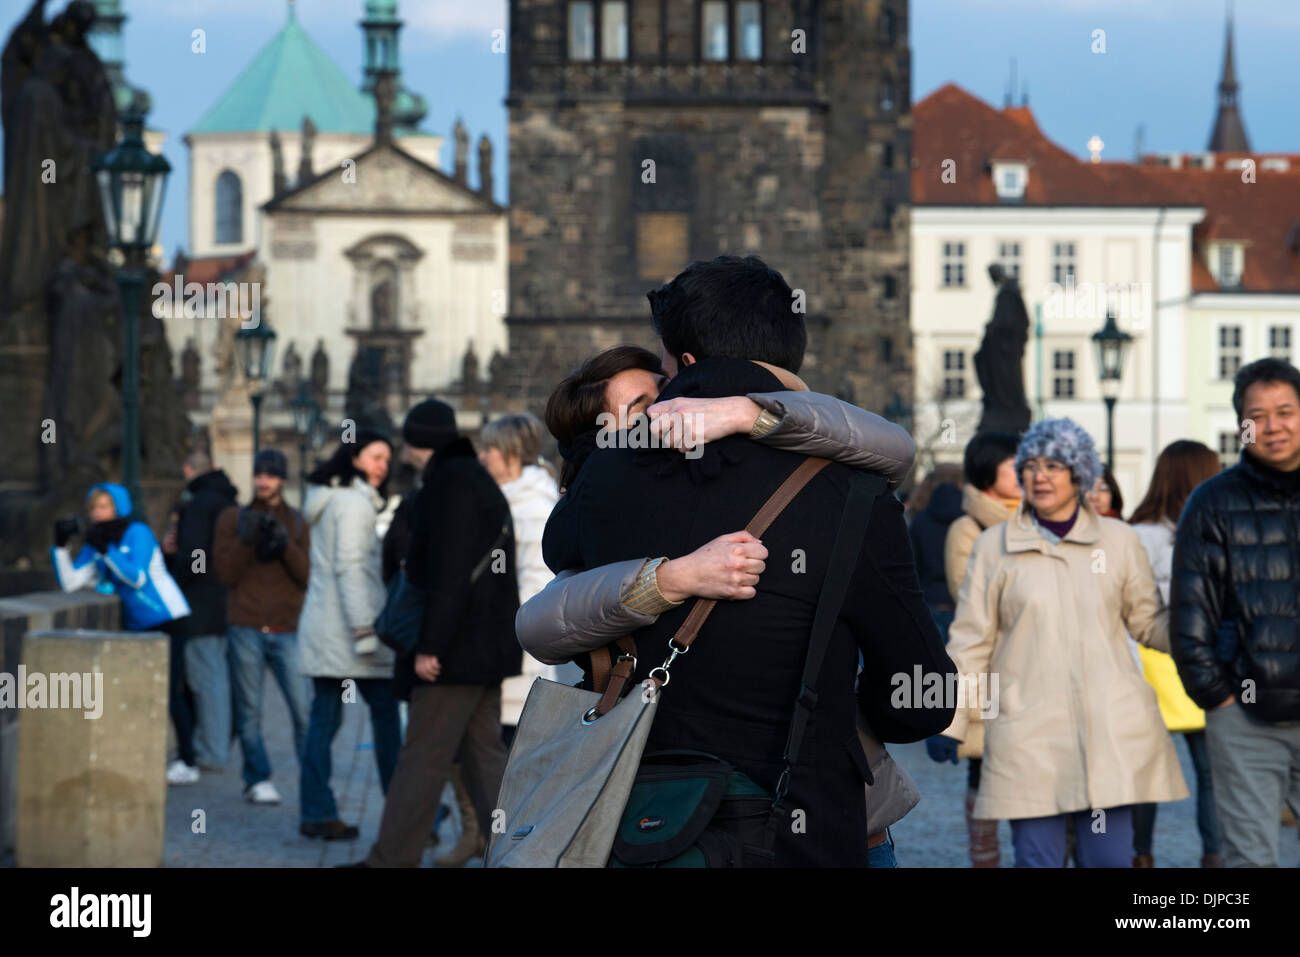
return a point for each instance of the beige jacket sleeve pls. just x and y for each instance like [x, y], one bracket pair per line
[1145, 616]
[956, 550]
[973, 633]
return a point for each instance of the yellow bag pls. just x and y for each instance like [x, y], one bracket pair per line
[1178, 710]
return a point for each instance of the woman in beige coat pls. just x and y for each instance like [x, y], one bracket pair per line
[1072, 734]
[990, 496]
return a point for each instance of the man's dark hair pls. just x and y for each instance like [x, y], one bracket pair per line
[1263, 370]
[984, 454]
[730, 307]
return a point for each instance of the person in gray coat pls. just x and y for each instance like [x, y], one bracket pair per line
[338, 647]
[581, 610]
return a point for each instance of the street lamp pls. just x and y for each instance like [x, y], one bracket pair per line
[1111, 345]
[257, 349]
[305, 414]
[131, 183]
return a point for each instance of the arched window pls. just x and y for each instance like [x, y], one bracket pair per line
[230, 208]
[383, 296]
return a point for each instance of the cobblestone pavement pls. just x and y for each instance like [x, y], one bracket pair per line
[239, 834]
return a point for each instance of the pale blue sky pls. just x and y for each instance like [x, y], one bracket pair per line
[1160, 68]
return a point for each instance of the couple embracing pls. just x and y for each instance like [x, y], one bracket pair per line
[639, 531]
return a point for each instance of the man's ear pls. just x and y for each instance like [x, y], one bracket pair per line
[686, 360]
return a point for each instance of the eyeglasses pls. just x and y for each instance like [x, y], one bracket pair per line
[1050, 468]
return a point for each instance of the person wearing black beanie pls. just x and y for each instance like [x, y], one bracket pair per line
[430, 425]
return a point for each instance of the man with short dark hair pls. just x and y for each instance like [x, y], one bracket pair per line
[1236, 569]
[188, 547]
[729, 328]
[263, 553]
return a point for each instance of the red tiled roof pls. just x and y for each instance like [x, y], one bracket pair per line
[208, 269]
[952, 124]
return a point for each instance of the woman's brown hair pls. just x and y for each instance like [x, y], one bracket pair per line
[573, 407]
[1181, 467]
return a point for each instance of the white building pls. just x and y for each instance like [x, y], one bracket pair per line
[1143, 239]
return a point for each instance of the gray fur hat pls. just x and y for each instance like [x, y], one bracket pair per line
[1067, 442]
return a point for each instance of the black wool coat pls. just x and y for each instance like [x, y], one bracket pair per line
[456, 521]
[1237, 560]
[205, 497]
[733, 693]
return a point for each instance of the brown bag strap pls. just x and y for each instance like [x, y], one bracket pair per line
[602, 657]
[773, 507]
[626, 663]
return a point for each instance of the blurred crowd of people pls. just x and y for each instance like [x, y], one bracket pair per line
[1108, 636]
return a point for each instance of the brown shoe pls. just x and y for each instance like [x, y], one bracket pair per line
[471, 843]
[329, 830]
[1144, 860]
[1211, 860]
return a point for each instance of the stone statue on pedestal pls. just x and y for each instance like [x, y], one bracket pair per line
[999, 363]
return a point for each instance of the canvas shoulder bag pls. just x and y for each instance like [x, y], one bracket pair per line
[576, 753]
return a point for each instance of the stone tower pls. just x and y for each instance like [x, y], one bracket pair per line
[650, 133]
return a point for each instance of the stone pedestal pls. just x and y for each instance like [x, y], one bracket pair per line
[19, 615]
[92, 790]
[230, 432]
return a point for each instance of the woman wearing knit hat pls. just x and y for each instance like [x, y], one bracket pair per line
[1072, 734]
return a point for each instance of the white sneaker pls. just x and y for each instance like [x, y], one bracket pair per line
[178, 772]
[263, 792]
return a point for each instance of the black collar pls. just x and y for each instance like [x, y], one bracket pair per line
[715, 378]
[457, 448]
[1287, 483]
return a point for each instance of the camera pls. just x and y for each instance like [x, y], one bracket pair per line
[68, 527]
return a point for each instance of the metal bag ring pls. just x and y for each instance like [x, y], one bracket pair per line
[667, 676]
[590, 717]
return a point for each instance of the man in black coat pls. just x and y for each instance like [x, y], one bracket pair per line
[733, 694]
[1237, 561]
[462, 553]
[188, 547]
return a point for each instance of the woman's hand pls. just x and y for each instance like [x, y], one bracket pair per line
[685, 423]
[726, 568]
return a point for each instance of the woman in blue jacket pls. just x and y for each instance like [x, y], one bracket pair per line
[121, 556]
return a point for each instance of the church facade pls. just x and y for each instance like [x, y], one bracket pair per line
[376, 270]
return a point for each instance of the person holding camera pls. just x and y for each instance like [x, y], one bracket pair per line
[262, 555]
[120, 556]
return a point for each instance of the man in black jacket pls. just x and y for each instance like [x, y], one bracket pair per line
[188, 547]
[1237, 561]
[462, 553]
[733, 695]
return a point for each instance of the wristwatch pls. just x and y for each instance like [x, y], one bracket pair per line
[764, 424]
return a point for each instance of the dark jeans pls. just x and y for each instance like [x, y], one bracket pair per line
[1040, 841]
[1207, 821]
[326, 715]
[251, 651]
[179, 704]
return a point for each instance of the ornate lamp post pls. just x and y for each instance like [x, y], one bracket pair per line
[257, 350]
[305, 414]
[1112, 345]
[131, 183]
